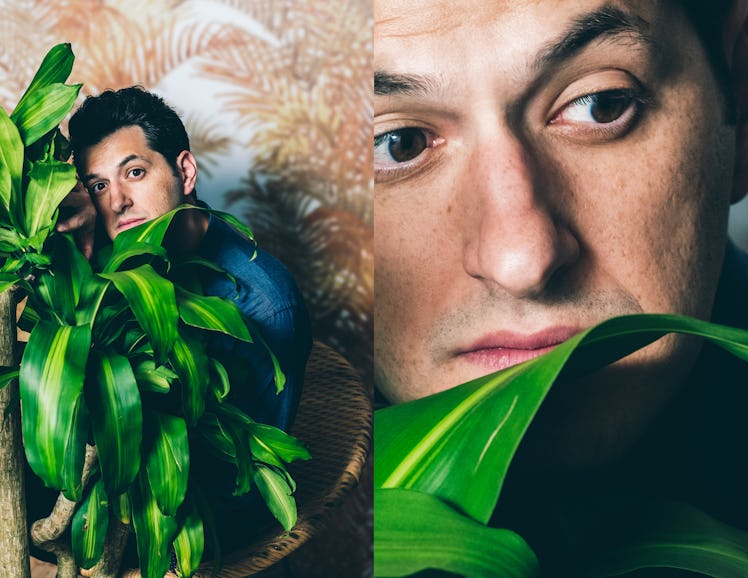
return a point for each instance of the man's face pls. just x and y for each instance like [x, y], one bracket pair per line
[541, 166]
[129, 182]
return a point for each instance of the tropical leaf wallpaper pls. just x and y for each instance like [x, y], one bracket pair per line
[276, 97]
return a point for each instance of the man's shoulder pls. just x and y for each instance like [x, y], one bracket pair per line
[259, 283]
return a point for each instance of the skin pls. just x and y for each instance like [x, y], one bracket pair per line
[513, 208]
[130, 183]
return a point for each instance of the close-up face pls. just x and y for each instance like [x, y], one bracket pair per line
[541, 166]
[129, 182]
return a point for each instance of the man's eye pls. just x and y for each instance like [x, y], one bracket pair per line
[400, 146]
[136, 172]
[603, 108]
[97, 188]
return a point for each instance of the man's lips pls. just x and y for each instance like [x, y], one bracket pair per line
[503, 349]
[128, 223]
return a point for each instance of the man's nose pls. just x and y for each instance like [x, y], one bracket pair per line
[513, 238]
[119, 200]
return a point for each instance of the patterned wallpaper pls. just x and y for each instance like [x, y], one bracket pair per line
[276, 97]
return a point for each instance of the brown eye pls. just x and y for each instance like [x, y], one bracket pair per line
[400, 145]
[606, 107]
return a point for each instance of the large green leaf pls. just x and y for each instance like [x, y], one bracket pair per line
[89, 526]
[117, 418]
[189, 543]
[152, 300]
[458, 444]
[190, 361]
[154, 532]
[55, 68]
[11, 165]
[75, 451]
[43, 109]
[50, 181]
[430, 534]
[212, 313]
[277, 494]
[135, 250]
[167, 460]
[51, 383]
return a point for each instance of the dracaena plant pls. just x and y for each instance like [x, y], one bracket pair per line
[116, 382]
[440, 464]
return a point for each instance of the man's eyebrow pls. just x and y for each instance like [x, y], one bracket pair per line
[607, 21]
[121, 164]
[386, 83]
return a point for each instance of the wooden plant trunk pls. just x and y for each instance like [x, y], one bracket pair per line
[14, 546]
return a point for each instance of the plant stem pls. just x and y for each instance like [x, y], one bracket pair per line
[14, 545]
[49, 529]
[114, 548]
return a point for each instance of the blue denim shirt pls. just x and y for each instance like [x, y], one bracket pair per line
[265, 292]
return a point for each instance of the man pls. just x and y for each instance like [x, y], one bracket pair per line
[543, 166]
[133, 159]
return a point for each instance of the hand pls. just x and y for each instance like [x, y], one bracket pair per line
[80, 218]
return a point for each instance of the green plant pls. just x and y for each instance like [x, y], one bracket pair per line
[118, 355]
[441, 462]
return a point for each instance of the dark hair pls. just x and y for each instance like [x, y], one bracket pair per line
[708, 20]
[100, 116]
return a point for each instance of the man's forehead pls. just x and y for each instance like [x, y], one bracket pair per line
[394, 18]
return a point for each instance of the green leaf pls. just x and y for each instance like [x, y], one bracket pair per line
[11, 167]
[49, 183]
[7, 280]
[276, 492]
[43, 109]
[154, 378]
[7, 375]
[167, 460]
[51, 383]
[279, 376]
[75, 451]
[55, 68]
[270, 438]
[414, 531]
[189, 543]
[220, 386]
[9, 240]
[117, 418]
[150, 232]
[89, 526]
[235, 223]
[215, 435]
[190, 361]
[136, 249]
[120, 507]
[212, 313]
[152, 300]
[472, 431]
[154, 532]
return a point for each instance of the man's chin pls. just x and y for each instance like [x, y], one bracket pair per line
[592, 420]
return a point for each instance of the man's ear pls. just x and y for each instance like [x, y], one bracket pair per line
[187, 166]
[736, 49]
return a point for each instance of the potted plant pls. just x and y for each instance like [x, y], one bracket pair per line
[115, 381]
